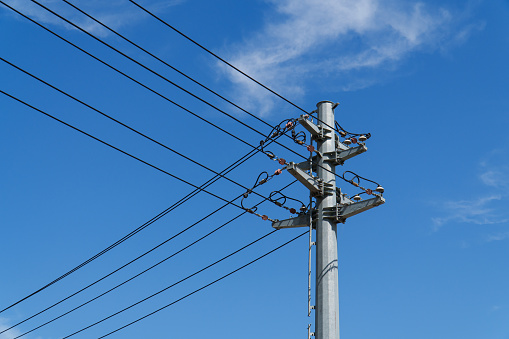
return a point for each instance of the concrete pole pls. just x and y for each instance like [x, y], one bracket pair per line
[327, 293]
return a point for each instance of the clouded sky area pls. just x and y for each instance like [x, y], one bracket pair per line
[428, 79]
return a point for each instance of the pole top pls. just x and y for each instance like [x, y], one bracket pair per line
[323, 102]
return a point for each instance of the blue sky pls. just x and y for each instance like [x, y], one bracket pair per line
[427, 79]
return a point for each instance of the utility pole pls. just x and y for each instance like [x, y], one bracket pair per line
[327, 293]
[331, 206]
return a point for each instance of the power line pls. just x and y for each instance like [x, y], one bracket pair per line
[157, 74]
[118, 149]
[127, 76]
[155, 92]
[128, 127]
[146, 87]
[198, 189]
[180, 72]
[127, 264]
[189, 294]
[167, 64]
[214, 55]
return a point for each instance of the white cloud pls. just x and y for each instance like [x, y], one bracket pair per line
[114, 13]
[478, 211]
[485, 209]
[497, 237]
[9, 334]
[310, 38]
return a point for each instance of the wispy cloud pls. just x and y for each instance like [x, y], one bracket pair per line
[311, 38]
[478, 211]
[497, 236]
[4, 324]
[488, 208]
[114, 13]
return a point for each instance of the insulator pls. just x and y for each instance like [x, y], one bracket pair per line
[369, 191]
[282, 161]
[347, 142]
[379, 189]
[278, 172]
[354, 140]
[303, 208]
[356, 197]
[293, 210]
[264, 217]
[363, 138]
[311, 148]
[342, 133]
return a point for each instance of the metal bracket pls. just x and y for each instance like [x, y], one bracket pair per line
[346, 211]
[299, 221]
[342, 198]
[310, 334]
[313, 184]
[338, 157]
[317, 132]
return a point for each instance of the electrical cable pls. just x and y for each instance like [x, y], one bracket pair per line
[160, 215]
[157, 74]
[127, 264]
[215, 55]
[127, 76]
[189, 294]
[167, 64]
[118, 149]
[148, 88]
[127, 126]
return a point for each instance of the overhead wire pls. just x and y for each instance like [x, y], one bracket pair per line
[117, 149]
[125, 265]
[172, 67]
[167, 64]
[157, 74]
[127, 126]
[220, 59]
[160, 215]
[215, 55]
[127, 76]
[153, 91]
[189, 294]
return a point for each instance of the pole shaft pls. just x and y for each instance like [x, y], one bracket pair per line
[327, 293]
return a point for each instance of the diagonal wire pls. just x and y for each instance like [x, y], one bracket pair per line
[125, 265]
[187, 295]
[160, 215]
[127, 126]
[118, 149]
[213, 54]
[157, 74]
[167, 64]
[148, 88]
